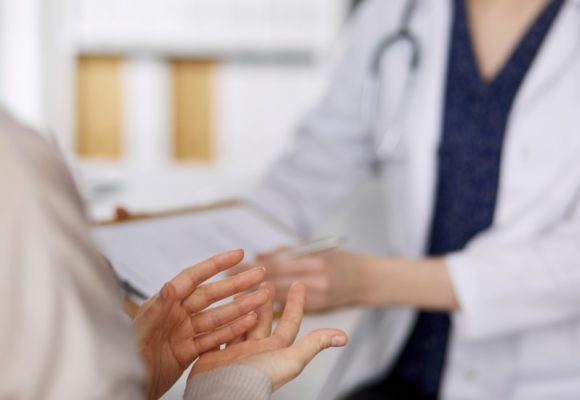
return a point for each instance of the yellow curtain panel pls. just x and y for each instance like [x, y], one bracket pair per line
[99, 107]
[193, 109]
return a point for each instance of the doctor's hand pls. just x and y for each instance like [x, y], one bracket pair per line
[275, 354]
[173, 328]
[332, 278]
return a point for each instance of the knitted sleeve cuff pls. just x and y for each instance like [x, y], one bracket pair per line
[236, 383]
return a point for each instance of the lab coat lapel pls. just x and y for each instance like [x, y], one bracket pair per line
[371, 350]
[556, 54]
[426, 122]
[533, 108]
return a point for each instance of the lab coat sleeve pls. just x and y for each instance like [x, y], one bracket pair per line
[506, 289]
[333, 149]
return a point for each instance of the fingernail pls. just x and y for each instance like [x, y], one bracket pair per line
[338, 341]
[297, 283]
[163, 293]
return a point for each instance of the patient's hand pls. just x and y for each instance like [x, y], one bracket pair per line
[172, 329]
[275, 354]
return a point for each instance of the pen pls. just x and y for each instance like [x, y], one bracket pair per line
[311, 248]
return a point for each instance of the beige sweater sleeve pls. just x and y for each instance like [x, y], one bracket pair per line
[232, 383]
[62, 335]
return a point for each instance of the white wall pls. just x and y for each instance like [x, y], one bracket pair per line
[258, 108]
[58, 78]
[259, 104]
[21, 61]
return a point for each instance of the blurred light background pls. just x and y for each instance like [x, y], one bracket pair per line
[166, 103]
[159, 104]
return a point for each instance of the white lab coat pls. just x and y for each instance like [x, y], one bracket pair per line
[517, 335]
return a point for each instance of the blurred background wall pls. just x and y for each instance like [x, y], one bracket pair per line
[22, 64]
[158, 104]
[165, 103]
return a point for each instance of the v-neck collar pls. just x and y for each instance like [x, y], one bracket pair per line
[527, 47]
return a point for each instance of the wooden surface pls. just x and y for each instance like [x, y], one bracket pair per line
[99, 106]
[130, 308]
[193, 109]
[123, 215]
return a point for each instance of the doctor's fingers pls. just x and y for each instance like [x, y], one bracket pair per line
[242, 267]
[187, 281]
[320, 294]
[217, 317]
[210, 293]
[262, 259]
[297, 267]
[270, 254]
[275, 268]
[315, 283]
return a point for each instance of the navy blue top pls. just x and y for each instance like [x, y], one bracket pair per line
[475, 117]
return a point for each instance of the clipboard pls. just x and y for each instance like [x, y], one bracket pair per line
[146, 250]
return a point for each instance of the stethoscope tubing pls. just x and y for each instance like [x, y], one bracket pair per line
[403, 35]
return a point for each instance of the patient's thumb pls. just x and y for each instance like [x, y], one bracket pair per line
[303, 352]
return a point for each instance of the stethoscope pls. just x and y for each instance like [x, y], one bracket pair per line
[389, 127]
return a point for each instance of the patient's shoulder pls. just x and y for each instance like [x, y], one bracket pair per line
[22, 150]
[28, 163]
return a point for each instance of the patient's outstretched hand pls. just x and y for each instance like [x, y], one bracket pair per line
[173, 328]
[276, 354]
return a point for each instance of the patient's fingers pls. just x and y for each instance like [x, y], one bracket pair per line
[155, 311]
[240, 338]
[208, 294]
[291, 319]
[265, 314]
[242, 267]
[314, 342]
[214, 318]
[189, 279]
[209, 341]
[306, 349]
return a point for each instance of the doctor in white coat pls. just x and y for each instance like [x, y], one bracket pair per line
[513, 291]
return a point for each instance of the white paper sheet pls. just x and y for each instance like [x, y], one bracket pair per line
[148, 253]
